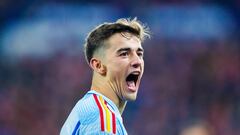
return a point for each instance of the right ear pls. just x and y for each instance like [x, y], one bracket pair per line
[97, 66]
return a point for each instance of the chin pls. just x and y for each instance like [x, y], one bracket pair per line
[131, 97]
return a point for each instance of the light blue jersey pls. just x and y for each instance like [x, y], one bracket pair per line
[94, 114]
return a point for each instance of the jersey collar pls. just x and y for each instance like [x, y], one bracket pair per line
[110, 102]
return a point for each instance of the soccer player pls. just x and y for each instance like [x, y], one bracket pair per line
[115, 54]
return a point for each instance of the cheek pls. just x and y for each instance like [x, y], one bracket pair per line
[116, 68]
[143, 65]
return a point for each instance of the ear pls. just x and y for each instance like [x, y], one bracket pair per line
[98, 66]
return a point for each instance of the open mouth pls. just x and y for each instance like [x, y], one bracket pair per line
[132, 79]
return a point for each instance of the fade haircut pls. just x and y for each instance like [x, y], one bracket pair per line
[97, 37]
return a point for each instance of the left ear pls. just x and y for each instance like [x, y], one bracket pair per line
[98, 66]
[103, 70]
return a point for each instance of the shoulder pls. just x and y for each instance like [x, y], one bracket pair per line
[87, 108]
[83, 113]
[92, 114]
[102, 120]
[95, 116]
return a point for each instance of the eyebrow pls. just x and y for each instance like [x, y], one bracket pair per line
[128, 49]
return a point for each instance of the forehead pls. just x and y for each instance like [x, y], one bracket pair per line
[122, 40]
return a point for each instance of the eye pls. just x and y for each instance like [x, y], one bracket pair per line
[124, 54]
[140, 54]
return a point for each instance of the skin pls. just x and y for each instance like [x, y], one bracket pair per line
[112, 64]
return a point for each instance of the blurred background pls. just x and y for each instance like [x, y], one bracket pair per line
[192, 64]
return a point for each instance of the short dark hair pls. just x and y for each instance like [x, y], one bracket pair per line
[101, 33]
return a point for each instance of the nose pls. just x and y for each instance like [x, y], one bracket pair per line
[136, 62]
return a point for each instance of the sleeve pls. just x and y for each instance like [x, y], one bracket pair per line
[72, 124]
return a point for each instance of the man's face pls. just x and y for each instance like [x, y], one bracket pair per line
[124, 64]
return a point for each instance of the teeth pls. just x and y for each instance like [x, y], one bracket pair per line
[132, 78]
[135, 73]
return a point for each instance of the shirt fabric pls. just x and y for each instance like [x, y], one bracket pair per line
[94, 114]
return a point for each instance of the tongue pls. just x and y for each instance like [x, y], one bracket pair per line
[131, 84]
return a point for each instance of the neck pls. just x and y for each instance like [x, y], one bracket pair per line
[106, 90]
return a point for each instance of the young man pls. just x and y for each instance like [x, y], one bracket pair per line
[115, 54]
